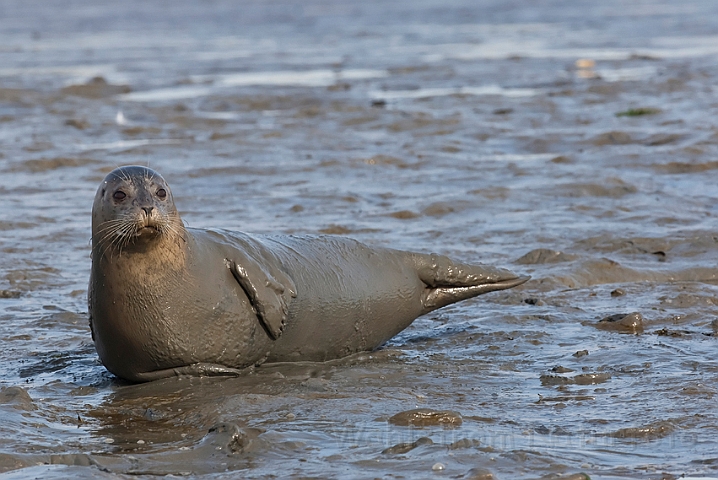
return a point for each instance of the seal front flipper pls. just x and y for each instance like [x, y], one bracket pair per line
[193, 370]
[269, 290]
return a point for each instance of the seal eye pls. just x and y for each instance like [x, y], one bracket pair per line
[119, 195]
[162, 193]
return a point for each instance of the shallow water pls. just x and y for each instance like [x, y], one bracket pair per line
[577, 143]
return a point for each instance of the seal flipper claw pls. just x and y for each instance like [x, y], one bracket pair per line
[268, 295]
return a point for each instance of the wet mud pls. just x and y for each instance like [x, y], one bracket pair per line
[575, 142]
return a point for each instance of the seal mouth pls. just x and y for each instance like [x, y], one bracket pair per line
[147, 230]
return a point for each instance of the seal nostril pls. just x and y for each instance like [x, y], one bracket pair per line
[148, 210]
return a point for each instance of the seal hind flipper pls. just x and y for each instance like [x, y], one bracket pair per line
[269, 295]
[449, 282]
[434, 298]
[440, 271]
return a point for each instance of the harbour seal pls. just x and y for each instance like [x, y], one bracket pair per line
[165, 299]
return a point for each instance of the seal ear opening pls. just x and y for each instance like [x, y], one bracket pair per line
[269, 297]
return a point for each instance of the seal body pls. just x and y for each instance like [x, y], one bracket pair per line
[166, 300]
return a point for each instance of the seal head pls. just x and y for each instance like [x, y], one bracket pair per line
[133, 209]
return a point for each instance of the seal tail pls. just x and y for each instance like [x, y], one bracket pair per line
[438, 297]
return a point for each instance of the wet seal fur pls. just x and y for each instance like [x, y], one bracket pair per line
[165, 299]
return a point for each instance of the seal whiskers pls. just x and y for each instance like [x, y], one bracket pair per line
[116, 234]
[113, 235]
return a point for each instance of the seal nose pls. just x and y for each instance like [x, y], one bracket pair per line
[148, 210]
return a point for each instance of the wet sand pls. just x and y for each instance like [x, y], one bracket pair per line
[577, 143]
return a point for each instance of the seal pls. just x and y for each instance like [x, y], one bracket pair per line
[165, 299]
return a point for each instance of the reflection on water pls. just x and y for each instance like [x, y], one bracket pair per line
[128, 144]
[575, 142]
[438, 92]
[313, 78]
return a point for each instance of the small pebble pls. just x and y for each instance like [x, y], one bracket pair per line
[407, 447]
[585, 63]
[291, 416]
[618, 292]
[438, 466]
[425, 417]
[109, 440]
[141, 442]
[623, 323]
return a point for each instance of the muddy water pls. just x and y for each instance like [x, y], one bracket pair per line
[577, 142]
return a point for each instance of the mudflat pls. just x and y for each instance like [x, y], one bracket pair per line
[575, 142]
